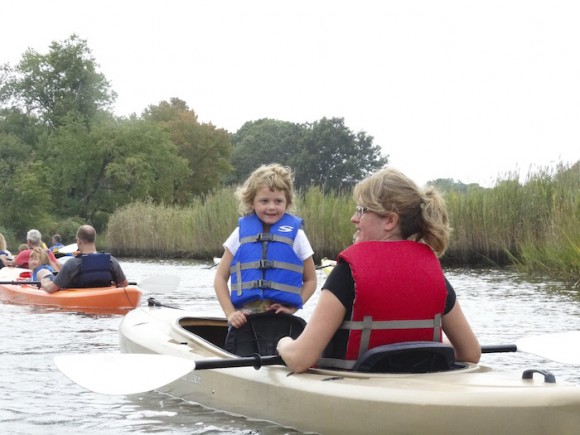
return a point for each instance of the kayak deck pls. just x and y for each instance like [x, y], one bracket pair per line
[475, 399]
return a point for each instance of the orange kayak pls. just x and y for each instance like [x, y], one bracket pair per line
[116, 300]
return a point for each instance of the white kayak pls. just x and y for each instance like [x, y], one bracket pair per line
[475, 399]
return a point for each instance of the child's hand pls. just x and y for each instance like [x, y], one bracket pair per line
[279, 308]
[237, 319]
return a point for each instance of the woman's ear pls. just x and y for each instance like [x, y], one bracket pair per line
[391, 221]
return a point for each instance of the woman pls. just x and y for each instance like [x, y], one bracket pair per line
[400, 232]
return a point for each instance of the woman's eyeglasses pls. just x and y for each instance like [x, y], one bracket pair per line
[360, 210]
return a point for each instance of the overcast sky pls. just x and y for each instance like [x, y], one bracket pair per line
[449, 89]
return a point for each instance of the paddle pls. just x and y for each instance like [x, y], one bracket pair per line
[36, 283]
[152, 284]
[116, 373]
[159, 283]
[138, 373]
[563, 347]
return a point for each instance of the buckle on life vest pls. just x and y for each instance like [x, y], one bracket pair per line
[266, 264]
[262, 283]
[265, 237]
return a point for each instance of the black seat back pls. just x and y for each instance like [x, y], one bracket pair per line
[408, 357]
[261, 333]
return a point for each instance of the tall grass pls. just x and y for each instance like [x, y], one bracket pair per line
[551, 241]
[532, 225]
[144, 229]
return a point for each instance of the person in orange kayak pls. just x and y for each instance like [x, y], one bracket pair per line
[87, 269]
[34, 239]
[38, 261]
[5, 254]
[390, 273]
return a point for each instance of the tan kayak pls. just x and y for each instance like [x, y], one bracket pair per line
[471, 400]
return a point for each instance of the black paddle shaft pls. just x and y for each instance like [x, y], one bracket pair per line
[498, 348]
[255, 361]
[36, 283]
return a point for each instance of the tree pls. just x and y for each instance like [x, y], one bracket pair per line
[334, 157]
[206, 149]
[324, 153]
[262, 142]
[53, 86]
[110, 164]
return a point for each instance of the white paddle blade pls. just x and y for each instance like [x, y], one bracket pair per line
[160, 283]
[563, 347]
[122, 374]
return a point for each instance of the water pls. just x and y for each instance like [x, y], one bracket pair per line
[36, 398]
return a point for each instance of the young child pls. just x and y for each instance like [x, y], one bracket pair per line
[268, 257]
[38, 261]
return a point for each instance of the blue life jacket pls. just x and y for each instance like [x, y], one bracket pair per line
[95, 271]
[39, 268]
[266, 266]
[55, 248]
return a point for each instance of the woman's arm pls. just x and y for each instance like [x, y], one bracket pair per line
[461, 336]
[302, 353]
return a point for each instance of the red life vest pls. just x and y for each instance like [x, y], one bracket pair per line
[400, 294]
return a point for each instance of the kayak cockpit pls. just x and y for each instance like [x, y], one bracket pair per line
[259, 336]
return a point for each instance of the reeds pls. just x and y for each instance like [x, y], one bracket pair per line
[533, 225]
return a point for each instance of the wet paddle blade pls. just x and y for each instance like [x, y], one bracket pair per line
[122, 374]
[563, 347]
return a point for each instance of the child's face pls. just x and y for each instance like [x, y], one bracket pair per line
[269, 205]
[33, 262]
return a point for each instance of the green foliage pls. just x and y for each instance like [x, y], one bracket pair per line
[448, 185]
[551, 240]
[114, 162]
[55, 85]
[325, 153]
[31, 192]
[205, 148]
[326, 220]
[331, 155]
[532, 225]
[262, 142]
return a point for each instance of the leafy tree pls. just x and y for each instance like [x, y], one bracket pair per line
[206, 149]
[55, 85]
[113, 163]
[15, 161]
[264, 141]
[333, 156]
[325, 152]
[27, 194]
